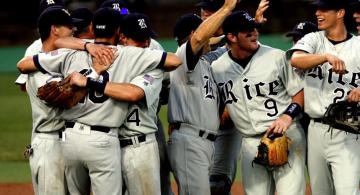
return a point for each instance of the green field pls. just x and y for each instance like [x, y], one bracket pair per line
[15, 115]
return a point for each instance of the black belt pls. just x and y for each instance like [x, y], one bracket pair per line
[318, 120]
[94, 128]
[210, 136]
[128, 142]
[58, 131]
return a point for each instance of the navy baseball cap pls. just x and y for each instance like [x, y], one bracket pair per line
[118, 5]
[211, 5]
[48, 3]
[85, 15]
[302, 29]
[330, 4]
[185, 24]
[239, 21]
[105, 22]
[55, 15]
[137, 26]
[355, 5]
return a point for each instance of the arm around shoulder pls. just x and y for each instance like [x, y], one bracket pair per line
[172, 62]
[27, 65]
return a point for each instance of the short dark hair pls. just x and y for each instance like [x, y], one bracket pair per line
[106, 23]
[54, 15]
[184, 25]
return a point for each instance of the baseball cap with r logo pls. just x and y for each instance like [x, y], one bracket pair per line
[137, 26]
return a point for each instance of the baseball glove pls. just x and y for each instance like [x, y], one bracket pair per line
[273, 151]
[343, 115]
[62, 93]
[225, 120]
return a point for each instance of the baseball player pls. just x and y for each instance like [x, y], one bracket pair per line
[36, 46]
[194, 125]
[228, 140]
[91, 144]
[137, 134]
[331, 76]
[45, 157]
[261, 100]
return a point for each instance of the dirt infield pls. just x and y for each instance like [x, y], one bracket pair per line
[26, 189]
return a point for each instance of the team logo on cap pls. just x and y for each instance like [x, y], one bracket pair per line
[142, 23]
[301, 25]
[50, 2]
[248, 17]
[100, 26]
[116, 6]
[66, 11]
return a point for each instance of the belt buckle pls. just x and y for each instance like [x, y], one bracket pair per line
[135, 141]
[82, 129]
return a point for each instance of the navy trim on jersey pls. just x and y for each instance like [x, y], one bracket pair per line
[191, 58]
[245, 61]
[348, 36]
[162, 61]
[38, 65]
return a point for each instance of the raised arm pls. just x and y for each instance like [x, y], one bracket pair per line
[259, 14]
[207, 28]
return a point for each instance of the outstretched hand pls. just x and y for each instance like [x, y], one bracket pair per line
[259, 15]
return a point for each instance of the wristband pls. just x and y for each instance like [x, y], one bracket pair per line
[85, 49]
[96, 85]
[293, 110]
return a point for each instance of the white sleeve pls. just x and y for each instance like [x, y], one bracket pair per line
[291, 79]
[54, 61]
[307, 43]
[151, 83]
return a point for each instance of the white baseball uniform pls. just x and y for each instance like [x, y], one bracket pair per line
[46, 162]
[193, 111]
[137, 139]
[33, 49]
[91, 147]
[256, 93]
[333, 155]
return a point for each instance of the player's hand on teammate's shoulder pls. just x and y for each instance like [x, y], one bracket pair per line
[338, 65]
[77, 79]
[105, 61]
[280, 125]
[259, 14]
[102, 53]
[354, 95]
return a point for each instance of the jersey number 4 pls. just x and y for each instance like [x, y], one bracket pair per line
[134, 117]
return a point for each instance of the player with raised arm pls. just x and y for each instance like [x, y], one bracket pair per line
[194, 123]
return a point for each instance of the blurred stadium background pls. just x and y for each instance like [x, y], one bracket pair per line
[18, 30]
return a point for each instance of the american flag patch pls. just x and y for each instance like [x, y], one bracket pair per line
[54, 53]
[148, 79]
